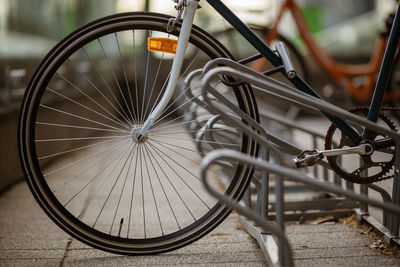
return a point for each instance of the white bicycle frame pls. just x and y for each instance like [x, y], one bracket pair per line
[187, 22]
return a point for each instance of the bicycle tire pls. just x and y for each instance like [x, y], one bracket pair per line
[57, 92]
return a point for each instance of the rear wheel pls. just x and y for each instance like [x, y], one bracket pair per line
[80, 115]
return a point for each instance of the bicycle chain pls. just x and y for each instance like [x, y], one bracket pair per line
[339, 171]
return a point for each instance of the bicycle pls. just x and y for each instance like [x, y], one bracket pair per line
[95, 143]
[344, 74]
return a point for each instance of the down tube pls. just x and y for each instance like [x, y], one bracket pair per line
[261, 47]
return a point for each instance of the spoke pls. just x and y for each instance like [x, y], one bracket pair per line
[136, 81]
[145, 83]
[80, 127]
[79, 117]
[161, 91]
[168, 125]
[119, 122]
[177, 124]
[114, 148]
[78, 148]
[191, 139]
[120, 156]
[116, 81]
[103, 96]
[83, 159]
[195, 151]
[154, 105]
[196, 131]
[169, 113]
[166, 176]
[123, 186]
[159, 127]
[91, 180]
[177, 118]
[80, 138]
[154, 84]
[179, 96]
[126, 80]
[86, 95]
[180, 177]
[150, 155]
[113, 186]
[152, 190]
[180, 154]
[177, 163]
[132, 192]
[181, 147]
[108, 87]
[141, 178]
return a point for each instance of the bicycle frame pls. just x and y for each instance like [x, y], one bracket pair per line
[267, 53]
[338, 71]
[184, 35]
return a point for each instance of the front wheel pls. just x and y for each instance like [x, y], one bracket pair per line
[78, 122]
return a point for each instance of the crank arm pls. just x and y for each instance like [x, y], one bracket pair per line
[310, 157]
[363, 149]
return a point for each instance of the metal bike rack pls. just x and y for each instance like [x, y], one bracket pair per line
[295, 210]
[274, 149]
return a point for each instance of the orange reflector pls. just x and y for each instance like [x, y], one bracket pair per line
[160, 44]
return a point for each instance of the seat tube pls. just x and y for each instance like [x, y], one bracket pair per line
[187, 22]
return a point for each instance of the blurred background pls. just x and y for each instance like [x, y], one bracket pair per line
[30, 28]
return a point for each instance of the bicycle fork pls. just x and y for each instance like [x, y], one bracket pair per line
[189, 7]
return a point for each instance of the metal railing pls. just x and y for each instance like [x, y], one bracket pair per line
[273, 151]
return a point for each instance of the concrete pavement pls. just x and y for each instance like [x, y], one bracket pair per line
[29, 238]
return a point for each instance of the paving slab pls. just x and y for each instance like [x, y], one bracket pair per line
[24, 226]
[29, 238]
[359, 261]
[27, 254]
[227, 244]
[29, 262]
[334, 245]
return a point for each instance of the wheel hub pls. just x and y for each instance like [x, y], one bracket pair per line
[136, 136]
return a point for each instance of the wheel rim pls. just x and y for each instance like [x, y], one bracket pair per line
[123, 152]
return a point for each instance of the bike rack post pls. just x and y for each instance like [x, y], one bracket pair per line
[394, 218]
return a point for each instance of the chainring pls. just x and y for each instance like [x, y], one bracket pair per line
[370, 168]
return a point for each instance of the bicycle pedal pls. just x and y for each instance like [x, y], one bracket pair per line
[308, 158]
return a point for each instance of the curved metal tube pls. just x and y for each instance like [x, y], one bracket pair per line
[284, 246]
[290, 174]
[187, 86]
[284, 91]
